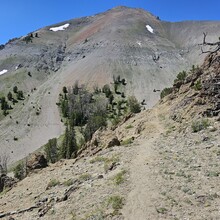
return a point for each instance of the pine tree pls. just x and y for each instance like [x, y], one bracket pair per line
[65, 90]
[51, 150]
[4, 105]
[64, 108]
[63, 148]
[111, 98]
[15, 89]
[9, 96]
[20, 95]
[69, 146]
[134, 105]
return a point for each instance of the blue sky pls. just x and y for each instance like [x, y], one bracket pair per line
[19, 17]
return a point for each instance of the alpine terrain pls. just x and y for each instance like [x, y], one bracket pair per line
[155, 156]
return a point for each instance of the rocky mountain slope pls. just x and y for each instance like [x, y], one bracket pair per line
[123, 41]
[166, 167]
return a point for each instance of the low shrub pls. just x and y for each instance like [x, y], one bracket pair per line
[68, 182]
[52, 183]
[129, 127]
[119, 178]
[165, 92]
[181, 76]
[19, 171]
[198, 85]
[116, 202]
[200, 125]
[127, 141]
[85, 177]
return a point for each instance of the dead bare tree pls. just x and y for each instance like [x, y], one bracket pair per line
[215, 44]
[4, 158]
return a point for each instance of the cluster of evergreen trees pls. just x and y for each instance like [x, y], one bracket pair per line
[29, 37]
[85, 112]
[5, 106]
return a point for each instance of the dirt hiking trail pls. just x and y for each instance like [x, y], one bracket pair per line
[140, 204]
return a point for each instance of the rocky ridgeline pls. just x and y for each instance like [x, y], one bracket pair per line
[211, 84]
[199, 92]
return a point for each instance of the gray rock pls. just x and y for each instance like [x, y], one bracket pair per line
[6, 182]
[100, 176]
[37, 161]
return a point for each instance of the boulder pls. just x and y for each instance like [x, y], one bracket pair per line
[178, 84]
[6, 182]
[113, 142]
[37, 161]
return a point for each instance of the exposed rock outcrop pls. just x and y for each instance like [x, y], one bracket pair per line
[199, 92]
[37, 161]
[6, 182]
[113, 142]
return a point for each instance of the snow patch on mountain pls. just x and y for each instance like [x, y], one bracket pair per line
[139, 43]
[150, 29]
[3, 72]
[60, 28]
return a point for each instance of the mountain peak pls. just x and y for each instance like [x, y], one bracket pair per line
[124, 8]
[121, 7]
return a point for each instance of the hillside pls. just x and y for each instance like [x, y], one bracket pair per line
[123, 41]
[167, 166]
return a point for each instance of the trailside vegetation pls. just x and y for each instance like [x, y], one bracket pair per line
[180, 79]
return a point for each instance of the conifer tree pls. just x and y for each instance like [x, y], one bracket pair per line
[69, 146]
[15, 89]
[51, 150]
[9, 96]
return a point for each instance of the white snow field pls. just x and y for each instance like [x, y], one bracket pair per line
[150, 29]
[60, 28]
[3, 72]
[139, 43]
